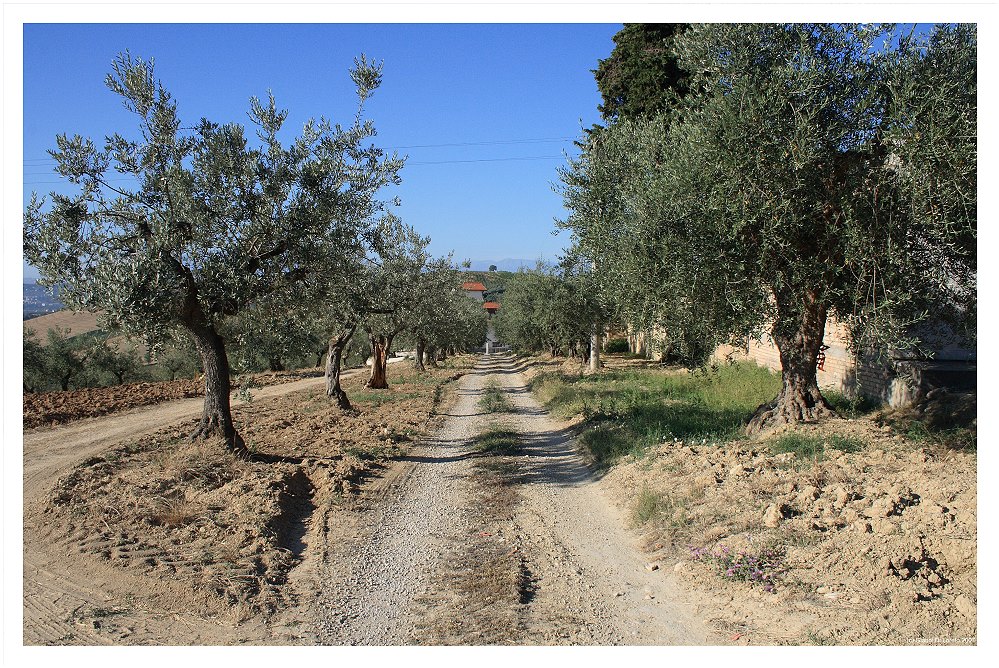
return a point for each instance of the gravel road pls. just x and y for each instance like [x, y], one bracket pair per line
[591, 585]
[369, 574]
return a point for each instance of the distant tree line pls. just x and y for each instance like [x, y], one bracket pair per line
[550, 309]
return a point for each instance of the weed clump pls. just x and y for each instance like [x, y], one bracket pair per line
[665, 510]
[498, 441]
[813, 447]
[760, 567]
[494, 400]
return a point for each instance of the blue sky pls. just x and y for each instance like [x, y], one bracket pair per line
[484, 111]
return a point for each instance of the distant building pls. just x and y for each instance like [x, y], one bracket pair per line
[474, 290]
[492, 307]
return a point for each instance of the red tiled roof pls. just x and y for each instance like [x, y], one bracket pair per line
[473, 286]
[491, 305]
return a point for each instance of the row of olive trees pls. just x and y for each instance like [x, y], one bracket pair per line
[552, 310]
[63, 362]
[228, 238]
[780, 174]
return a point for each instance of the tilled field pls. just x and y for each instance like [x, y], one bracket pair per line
[52, 408]
[208, 532]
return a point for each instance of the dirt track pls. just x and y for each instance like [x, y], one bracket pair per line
[393, 565]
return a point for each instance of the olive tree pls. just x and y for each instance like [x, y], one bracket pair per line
[812, 170]
[440, 313]
[208, 220]
[56, 363]
[395, 285]
[549, 309]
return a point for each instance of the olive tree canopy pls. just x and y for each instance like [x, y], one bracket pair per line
[812, 170]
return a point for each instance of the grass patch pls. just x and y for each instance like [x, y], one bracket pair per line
[813, 448]
[608, 442]
[662, 510]
[631, 410]
[851, 408]
[955, 438]
[494, 400]
[497, 441]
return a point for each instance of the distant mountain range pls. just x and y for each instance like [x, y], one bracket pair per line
[507, 264]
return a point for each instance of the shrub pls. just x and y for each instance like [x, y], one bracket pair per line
[854, 407]
[617, 345]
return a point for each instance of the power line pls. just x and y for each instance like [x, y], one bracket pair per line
[451, 162]
[495, 142]
[487, 143]
[434, 162]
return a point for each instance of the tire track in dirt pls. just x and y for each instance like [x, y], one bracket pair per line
[404, 567]
[585, 561]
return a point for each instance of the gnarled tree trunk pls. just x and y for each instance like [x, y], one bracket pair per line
[380, 345]
[430, 357]
[334, 359]
[421, 346]
[798, 341]
[275, 363]
[216, 418]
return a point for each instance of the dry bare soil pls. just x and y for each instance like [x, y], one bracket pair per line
[134, 536]
[401, 524]
[77, 322]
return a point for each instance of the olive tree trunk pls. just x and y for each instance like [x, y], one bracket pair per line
[216, 418]
[380, 345]
[595, 349]
[798, 342]
[421, 346]
[334, 359]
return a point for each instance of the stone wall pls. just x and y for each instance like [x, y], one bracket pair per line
[842, 371]
[894, 382]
